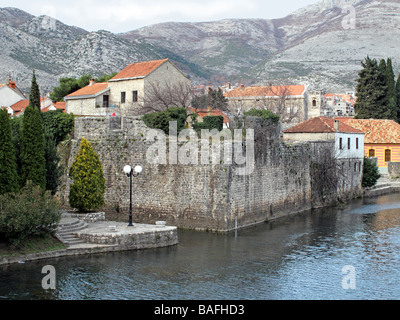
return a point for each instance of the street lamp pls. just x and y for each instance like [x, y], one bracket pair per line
[129, 172]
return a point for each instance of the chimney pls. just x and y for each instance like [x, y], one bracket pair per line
[91, 82]
[12, 84]
[336, 125]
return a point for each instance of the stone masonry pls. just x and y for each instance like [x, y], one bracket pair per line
[204, 197]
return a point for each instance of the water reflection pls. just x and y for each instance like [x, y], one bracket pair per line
[301, 257]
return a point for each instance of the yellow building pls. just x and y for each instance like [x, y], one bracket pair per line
[382, 140]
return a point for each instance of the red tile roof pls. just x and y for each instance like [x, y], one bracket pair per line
[205, 113]
[270, 91]
[138, 70]
[89, 90]
[60, 105]
[377, 131]
[321, 125]
[20, 105]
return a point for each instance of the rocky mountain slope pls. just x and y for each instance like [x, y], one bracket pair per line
[322, 44]
[56, 50]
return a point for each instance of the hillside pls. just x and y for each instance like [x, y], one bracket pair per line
[312, 45]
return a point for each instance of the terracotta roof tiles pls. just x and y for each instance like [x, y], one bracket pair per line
[137, 70]
[377, 131]
[321, 125]
[89, 90]
[270, 91]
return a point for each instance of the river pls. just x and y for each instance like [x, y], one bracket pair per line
[349, 253]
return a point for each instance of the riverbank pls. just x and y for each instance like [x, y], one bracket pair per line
[103, 237]
[106, 236]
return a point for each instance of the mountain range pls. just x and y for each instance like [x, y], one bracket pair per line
[322, 45]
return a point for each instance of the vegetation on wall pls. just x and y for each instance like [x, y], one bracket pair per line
[209, 123]
[160, 120]
[264, 114]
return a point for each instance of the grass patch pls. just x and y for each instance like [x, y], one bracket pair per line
[31, 245]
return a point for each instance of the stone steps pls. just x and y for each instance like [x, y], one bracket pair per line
[67, 229]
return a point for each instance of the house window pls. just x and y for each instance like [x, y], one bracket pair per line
[388, 155]
[349, 143]
[371, 153]
[357, 143]
[123, 97]
[135, 96]
[314, 103]
[340, 143]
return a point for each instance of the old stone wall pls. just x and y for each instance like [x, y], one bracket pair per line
[394, 170]
[199, 196]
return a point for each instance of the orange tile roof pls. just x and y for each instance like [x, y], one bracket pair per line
[270, 91]
[205, 113]
[138, 70]
[377, 131]
[20, 105]
[60, 105]
[89, 90]
[321, 125]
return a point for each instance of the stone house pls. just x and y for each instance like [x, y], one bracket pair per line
[291, 102]
[382, 140]
[349, 141]
[125, 93]
[345, 151]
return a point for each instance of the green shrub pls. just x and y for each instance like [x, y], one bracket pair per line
[371, 173]
[265, 114]
[209, 123]
[160, 120]
[58, 124]
[87, 191]
[32, 212]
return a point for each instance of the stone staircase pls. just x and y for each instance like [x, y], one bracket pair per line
[66, 231]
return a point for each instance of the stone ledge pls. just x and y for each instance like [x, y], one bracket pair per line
[140, 237]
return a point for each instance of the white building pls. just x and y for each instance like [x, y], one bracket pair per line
[349, 142]
[10, 94]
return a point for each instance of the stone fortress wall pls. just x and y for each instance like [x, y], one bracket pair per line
[205, 196]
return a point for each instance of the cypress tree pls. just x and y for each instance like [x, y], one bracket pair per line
[8, 165]
[398, 98]
[391, 89]
[34, 96]
[53, 170]
[87, 191]
[372, 91]
[33, 162]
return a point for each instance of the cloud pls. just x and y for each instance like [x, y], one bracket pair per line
[122, 13]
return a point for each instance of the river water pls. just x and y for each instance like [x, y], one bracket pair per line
[350, 253]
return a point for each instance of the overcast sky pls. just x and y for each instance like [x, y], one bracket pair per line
[125, 15]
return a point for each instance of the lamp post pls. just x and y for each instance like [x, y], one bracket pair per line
[129, 172]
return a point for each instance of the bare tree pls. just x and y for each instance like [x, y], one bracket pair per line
[161, 96]
[277, 98]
